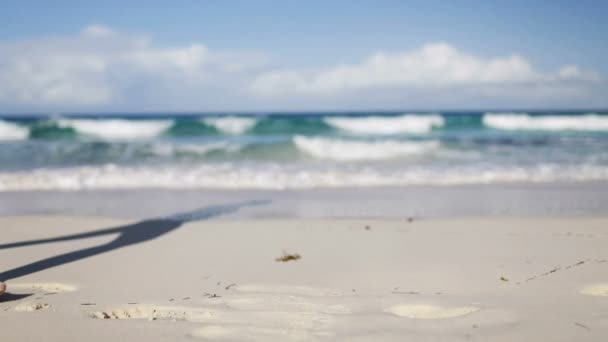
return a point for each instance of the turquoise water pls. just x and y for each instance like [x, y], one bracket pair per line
[306, 150]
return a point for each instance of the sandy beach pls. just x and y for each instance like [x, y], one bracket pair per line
[300, 171]
[210, 275]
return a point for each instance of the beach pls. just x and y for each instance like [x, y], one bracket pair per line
[290, 171]
[354, 226]
[214, 272]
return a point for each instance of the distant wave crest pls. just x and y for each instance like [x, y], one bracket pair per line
[117, 129]
[13, 131]
[351, 150]
[231, 124]
[382, 125]
[523, 121]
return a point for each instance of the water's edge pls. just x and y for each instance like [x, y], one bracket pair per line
[418, 202]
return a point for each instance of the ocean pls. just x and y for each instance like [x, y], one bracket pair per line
[300, 150]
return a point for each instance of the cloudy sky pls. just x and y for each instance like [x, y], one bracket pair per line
[151, 56]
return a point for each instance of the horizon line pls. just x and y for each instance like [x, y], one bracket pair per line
[297, 112]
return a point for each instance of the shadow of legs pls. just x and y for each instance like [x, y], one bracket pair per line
[129, 235]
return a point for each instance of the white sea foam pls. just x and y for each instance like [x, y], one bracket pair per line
[275, 176]
[231, 124]
[351, 150]
[382, 125]
[523, 121]
[12, 131]
[117, 129]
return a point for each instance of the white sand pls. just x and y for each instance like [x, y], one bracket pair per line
[43, 287]
[450, 280]
[596, 290]
[425, 311]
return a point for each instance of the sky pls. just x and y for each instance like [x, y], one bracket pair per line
[192, 56]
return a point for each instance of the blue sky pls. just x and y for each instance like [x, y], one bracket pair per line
[296, 55]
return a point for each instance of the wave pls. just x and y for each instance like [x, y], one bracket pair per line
[117, 129]
[382, 125]
[232, 124]
[13, 131]
[352, 150]
[523, 121]
[295, 124]
[276, 176]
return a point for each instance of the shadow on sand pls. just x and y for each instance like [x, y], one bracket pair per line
[128, 235]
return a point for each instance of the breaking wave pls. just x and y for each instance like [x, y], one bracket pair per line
[232, 124]
[382, 125]
[523, 121]
[12, 131]
[275, 176]
[117, 129]
[352, 150]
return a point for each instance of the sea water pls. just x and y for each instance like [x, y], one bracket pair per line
[300, 150]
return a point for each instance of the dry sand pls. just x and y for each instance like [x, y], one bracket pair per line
[357, 280]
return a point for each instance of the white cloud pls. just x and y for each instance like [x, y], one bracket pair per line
[432, 66]
[96, 66]
[101, 68]
[187, 60]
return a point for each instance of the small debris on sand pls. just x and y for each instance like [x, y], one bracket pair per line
[288, 257]
[504, 279]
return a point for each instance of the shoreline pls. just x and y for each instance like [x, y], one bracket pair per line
[586, 199]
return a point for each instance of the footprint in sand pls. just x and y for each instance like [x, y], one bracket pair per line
[600, 290]
[28, 307]
[249, 313]
[296, 313]
[286, 299]
[44, 287]
[152, 313]
[41, 288]
[232, 324]
[425, 311]
[219, 315]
